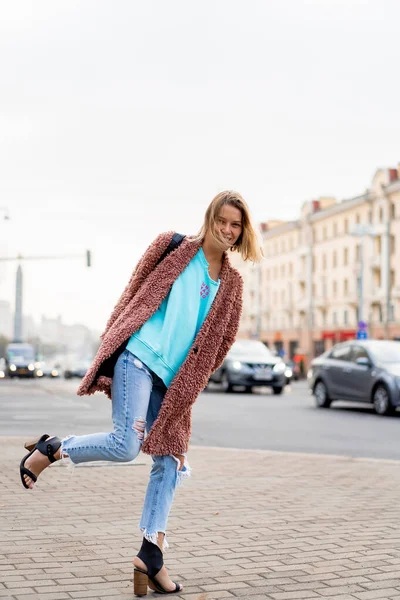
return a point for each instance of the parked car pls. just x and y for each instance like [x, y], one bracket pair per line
[363, 371]
[20, 360]
[45, 369]
[77, 369]
[250, 363]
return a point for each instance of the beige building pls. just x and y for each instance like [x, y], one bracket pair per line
[306, 293]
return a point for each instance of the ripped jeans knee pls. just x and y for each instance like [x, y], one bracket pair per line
[139, 425]
[182, 466]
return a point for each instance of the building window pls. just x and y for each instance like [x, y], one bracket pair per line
[334, 288]
[334, 261]
[335, 229]
[358, 253]
[345, 317]
[381, 214]
[275, 273]
[345, 287]
[346, 226]
[393, 210]
[345, 256]
[319, 347]
[324, 261]
[290, 269]
[392, 244]
[324, 233]
[370, 216]
[334, 318]
[358, 219]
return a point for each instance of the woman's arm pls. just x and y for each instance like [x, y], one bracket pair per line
[143, 268]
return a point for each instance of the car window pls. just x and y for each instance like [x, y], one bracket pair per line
[341, 353]
[359, 352]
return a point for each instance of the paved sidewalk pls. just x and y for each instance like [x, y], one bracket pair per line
[248, 524]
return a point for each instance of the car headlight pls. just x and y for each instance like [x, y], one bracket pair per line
[288, 372]
[13, 368]
[2, 374]
[279, 367]
[54, 373]
[237, 365]
[31, 367]
[39, 373]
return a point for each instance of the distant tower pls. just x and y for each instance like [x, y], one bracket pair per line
[18, 307]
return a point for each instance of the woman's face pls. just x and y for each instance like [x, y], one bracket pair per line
[228, 224]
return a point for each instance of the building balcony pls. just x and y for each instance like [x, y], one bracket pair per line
[378, 295]
[303, 250]
[320, 301]
[301, 276]
[302, 304]
[287, 306]
[375, 262]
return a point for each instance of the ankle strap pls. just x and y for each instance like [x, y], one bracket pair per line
[152, 557]
[49, 447]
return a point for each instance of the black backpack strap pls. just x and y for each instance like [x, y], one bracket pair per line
[176, 241]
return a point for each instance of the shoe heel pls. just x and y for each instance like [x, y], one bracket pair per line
[31, 444]
[140, 581]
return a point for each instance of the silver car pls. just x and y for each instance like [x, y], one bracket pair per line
[249, 363]
[363, 371]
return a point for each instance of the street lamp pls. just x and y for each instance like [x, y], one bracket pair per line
[361, 231]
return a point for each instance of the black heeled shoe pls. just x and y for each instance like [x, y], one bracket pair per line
[47, 446]
[152, 557]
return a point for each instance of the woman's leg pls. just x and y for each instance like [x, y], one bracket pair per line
[164, 478]
[131, 390]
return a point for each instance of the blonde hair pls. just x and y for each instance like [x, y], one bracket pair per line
[248, 244]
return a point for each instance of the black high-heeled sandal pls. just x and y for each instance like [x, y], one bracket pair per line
[152, 557]
[47, 446]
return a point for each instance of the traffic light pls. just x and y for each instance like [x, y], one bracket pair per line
[88, 258]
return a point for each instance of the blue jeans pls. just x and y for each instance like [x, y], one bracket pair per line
[137, 394]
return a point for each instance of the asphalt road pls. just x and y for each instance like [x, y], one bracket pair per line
[289, 422]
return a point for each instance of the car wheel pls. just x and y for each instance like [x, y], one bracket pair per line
[277, 390]
[322, 399]
[381, 400]
[225, 383]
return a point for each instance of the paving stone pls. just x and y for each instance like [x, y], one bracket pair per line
[290, 527]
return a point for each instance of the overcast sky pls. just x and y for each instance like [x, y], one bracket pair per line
[119, 120]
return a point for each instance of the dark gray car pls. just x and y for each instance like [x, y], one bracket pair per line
[361, 371]
[249, 363]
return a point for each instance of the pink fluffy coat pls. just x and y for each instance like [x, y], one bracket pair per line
[148, 286]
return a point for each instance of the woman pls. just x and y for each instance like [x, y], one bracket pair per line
[171, 328]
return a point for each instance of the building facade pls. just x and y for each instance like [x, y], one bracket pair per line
[336, 265]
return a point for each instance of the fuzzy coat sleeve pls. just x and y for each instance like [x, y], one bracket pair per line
[233, 327]
[143, 268]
